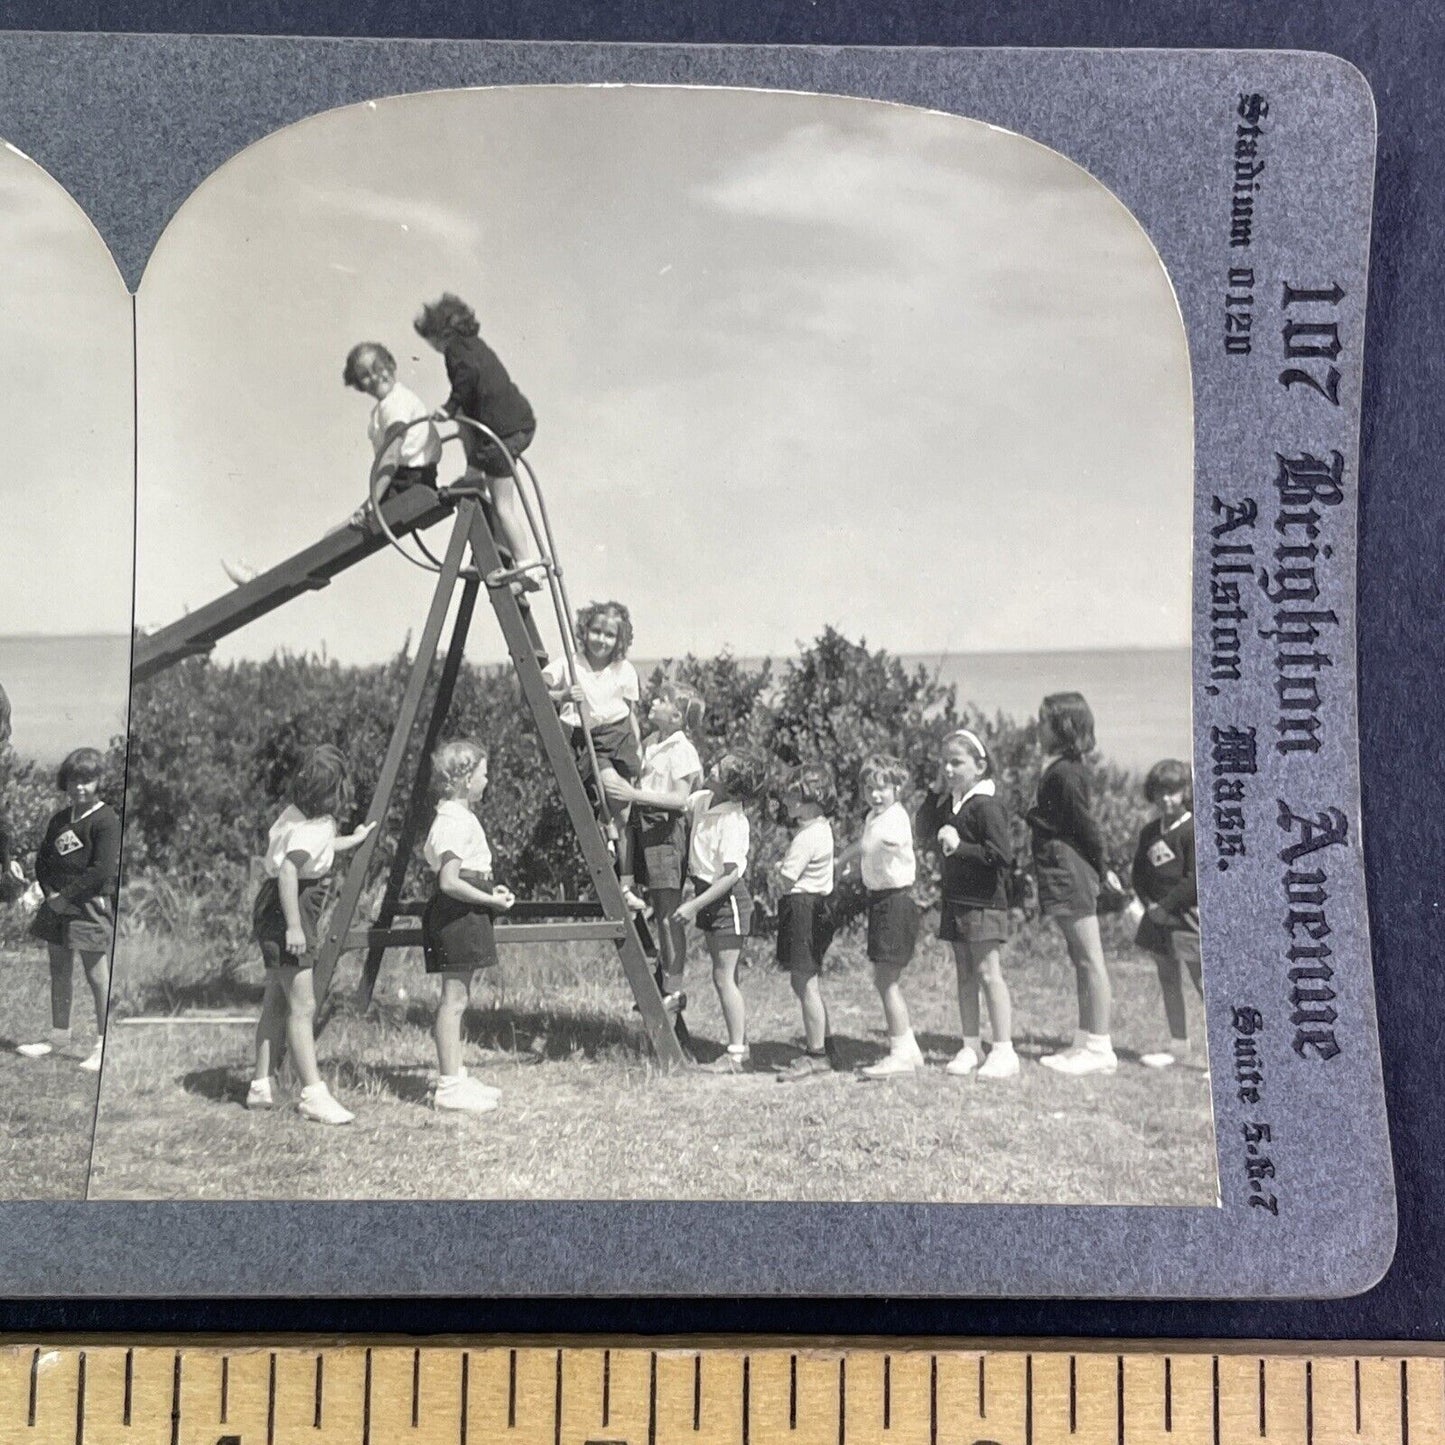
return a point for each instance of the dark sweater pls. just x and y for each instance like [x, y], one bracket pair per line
[1062, 810]
[81, 860]
[1164, 865]
[976, 873]
[482, 390]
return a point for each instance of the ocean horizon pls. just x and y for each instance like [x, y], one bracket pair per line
[69, 692]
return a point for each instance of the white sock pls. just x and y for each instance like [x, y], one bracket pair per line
[904, 1043]
[975, 1043]
[450, 1081]
[1099, 1043]
[1002, 1046]
[737, 1048]
[318, 1090]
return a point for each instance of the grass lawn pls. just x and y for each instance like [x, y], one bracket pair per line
[47, 1106]
[584, 1114]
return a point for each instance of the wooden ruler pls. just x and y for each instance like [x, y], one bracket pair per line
[631, 1392]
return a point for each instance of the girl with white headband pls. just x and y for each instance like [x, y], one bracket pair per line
[964, 819]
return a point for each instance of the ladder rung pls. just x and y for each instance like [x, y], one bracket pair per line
[561, 931]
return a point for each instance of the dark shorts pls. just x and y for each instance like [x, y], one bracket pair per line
[730, 916]
[268, 922]
[805, 929]
[89, 929]
[404, 477]
[980, 928]
[892, 926]
[616, 747]
[457, 937]
[659, 848]
[1068, 886]
[484, 454]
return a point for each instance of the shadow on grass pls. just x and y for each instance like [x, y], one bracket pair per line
[200, 994]
[217, 1084]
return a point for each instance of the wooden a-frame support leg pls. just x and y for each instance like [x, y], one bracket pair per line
[416, 811]
[332, 944]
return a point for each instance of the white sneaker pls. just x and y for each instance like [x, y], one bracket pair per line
[58, 1042]
[1085, 1061]
[1161, 1060]
[1053, 1061]
[965, 1061]
[259, 1095]
[464, 1096]
[317, 1104]
[490, 1089]
[910, 1061]
[240, 571]
[1002, 1063]
[92, 1061]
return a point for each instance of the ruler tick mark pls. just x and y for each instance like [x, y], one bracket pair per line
[792, 1392]
[697, 1392]
[933, 1400]
[366, 1403]
[462, 1404]
[271, 1401]
[887, 1392]
[1404, 1402]
[1119, 1396]
[415, 1388]
[982, 1392]
[1357, 1397]
[1214, 1392]
[1073, 1394]
[34, 1388]
[511, 1389]
[1309, 1403]
[225, 1388]
[320, 1388]
[1168, 1396]
[652, 1399]
[557, 1404]
[176, 1400]
[606, 1386]
[747, 1397]
[842, 1401]
[80, 1400]
[1028, 1400]
[129, 1381]
[1263, 1417]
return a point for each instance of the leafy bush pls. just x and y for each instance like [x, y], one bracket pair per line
[212, 747]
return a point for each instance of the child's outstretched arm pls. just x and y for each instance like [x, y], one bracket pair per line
[451, 882]
[666, 802]
[348, 841]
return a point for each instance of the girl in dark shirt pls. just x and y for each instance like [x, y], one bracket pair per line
[484, 393]
[964, 821]
[78, 867]
[1069, 864]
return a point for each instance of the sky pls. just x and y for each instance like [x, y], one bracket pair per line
[797, 361]
[65, 359]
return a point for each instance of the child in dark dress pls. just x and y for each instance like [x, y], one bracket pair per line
[78, 869]
[484, 393]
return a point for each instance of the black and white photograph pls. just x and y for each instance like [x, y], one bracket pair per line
[662, 667]
[65, 609]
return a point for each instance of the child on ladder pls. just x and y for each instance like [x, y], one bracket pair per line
[608, 689]
[483, 392]
[78, 869]
[300, 850]
[1165, 880]
[457, 937]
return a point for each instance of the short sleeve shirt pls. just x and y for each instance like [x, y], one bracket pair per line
[721, 837]
[420, 446]
[887, 849]
[807, 867]
[611, 691]
[456, 832]
[294, 832]
[669, 762]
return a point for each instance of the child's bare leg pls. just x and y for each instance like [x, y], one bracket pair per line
[895, 1010]
[809, 993]
[300, 990]
[1096, 991]
[995, 991]
[270, 1028]
[729, 996]
[447, 1027]
[968, 1013]
[62, 976]
[97, 975]
[620, 809]
[512, 519]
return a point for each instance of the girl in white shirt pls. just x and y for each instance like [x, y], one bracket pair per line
[457, 938]
[300, 851]
[402, 433]
[606, 693]
[889, 868]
